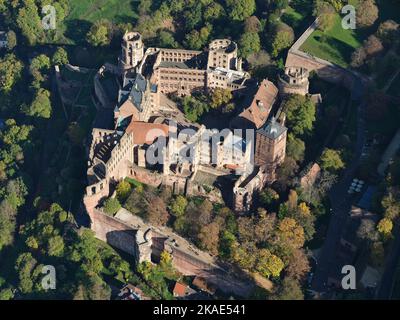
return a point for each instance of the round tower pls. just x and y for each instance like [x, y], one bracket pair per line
[294, 81]
[132, 50]
[223, 54]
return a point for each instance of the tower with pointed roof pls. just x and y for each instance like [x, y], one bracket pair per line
[270, 145]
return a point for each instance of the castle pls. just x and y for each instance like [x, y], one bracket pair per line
[151, 140]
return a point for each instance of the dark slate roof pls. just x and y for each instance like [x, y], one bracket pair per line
[272, 129]
[134, 89]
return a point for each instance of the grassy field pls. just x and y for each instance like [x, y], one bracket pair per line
[85, 12]
[335, 45]
[93, 10]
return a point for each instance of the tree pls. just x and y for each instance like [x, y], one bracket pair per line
[298, 265]
[11, 40]
[124, 189]
[331, 160]
[220, 97]
[300, 112]
[39, 64]
[166, 39]
[249, 43]
[388, 32]
[10, 72]
[239, 10]
[60, 57]
[367, 13]
[268, 264]
[213, 11]
[268, 197]
[55, 246]
[157, 213]
[252, 24]
[100, 33]
[40, 106]
[289, 289]
[283, 38]
[209, 237]
[291, 233]
[197, 39]
[178, 206]
[385, 226]
[6, 294]
[29, 22]
[367, 230]
[391, 205]
[111, 206]
[326, 13]
[295, 148]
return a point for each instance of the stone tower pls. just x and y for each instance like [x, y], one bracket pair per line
[294, 81]
[270, 146]
[132, 51]
[223, 54]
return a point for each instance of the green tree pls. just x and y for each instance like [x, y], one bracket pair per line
[220, 97]
[55, 246]
[268, 264]
[29, 22]
[10, 72]
[178, 206]
[295, 147]
[124, 189]
[60, 57]
[111, 206]
[249, 43]
[166, 39]
[300, 112]
[6, 294]
[331, 160]
[239, 10]
[40, 106]
[282, 38]
[11, 40]
[100, 33]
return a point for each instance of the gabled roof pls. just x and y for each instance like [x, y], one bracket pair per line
[134, 90]
[260, 107]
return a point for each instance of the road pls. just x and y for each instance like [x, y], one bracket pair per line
[340, 200]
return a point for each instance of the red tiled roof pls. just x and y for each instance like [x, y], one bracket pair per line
[146, 133]
[262, 103]
[179, 290]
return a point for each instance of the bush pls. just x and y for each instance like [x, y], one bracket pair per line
[111, 206]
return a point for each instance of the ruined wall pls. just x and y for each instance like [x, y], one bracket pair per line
[114, 232]
[324, 69]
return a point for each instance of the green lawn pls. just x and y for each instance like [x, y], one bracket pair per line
[84, 12]
[335, 45]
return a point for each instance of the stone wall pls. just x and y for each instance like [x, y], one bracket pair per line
[124, 237]
[114, 232]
